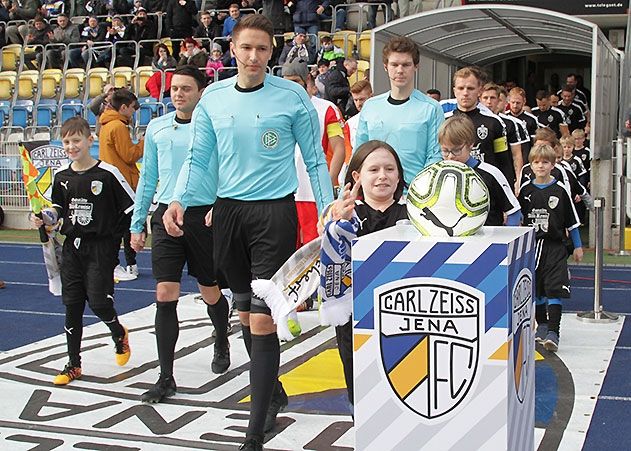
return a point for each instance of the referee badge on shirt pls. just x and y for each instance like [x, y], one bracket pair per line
[270, 139]
[553, 202]
[96, 187]
[483, 131]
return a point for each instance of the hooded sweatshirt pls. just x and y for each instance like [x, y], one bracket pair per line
[116, 147]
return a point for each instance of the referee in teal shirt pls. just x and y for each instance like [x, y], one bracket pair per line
[246, 128]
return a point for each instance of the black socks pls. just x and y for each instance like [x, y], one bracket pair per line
[554, 318]
[265, 359]
[74, 331]
[541, 313]
[218, 314]
[247, 339]
[167, 332]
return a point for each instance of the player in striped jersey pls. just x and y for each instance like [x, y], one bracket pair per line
[515, 132]
[491, 145]
[550, 116]
[574, 112]
[547, 208]
[456, 137]
[516, 103]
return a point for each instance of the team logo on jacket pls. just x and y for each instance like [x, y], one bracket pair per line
[553, 202]
[96, 187]
[522, 332]
[430, 333]
[483, 131]
[550, 119]
[270, 139]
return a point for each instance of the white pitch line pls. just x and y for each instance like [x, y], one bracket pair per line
[615, 398]
[29, 312]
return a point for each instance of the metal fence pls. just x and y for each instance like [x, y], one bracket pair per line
[12, 193]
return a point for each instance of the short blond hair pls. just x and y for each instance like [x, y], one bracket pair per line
[469, 71]
[545, 134]
[578, 133]
[567, 140]
[542, 152]
[458, 130]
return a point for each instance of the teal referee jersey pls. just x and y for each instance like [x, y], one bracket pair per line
[167, 143]
[410, 127]
[252, 134]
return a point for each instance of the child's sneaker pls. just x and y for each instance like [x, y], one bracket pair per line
[551, 343]
[541, 332]
[121, 275]
[123, 351]
[67, 375]
[132, 269]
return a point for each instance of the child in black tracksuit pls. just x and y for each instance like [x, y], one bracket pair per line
[91, 197]
[547, 206]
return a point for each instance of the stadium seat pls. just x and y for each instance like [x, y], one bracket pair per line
[70, 108]
[363, 46]
[27, 84]
[11, 57]
[22, 113]
[123, 76]
[50, 84]
[5, 105]
[46, 112]
[169, 106]
[346, 41]
[7, 84]
[98, 77]
[362, 67]
[73, 83]
[149, 108]
[139, 80]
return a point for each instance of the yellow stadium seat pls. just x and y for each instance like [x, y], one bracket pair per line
[7, 84]
[11, 56]
[97, 79]
[122, 76]
[363, 46]
[141, 75]
[27, 83]
[346, 41]
[50, 83]
[73, 82]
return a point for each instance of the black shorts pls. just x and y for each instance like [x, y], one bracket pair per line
[87, 271]
[252, 240]
[551, 275]
[195, 247]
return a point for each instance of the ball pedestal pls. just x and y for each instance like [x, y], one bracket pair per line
[443, 339]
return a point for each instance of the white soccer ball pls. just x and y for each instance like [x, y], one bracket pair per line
[448, 198]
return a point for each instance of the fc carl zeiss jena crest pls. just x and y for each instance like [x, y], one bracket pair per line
[429, 342]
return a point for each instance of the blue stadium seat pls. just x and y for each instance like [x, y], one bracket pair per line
[4, 112]
[169, 105]
[71, 108]
[149, 108]
[46, 112]
[22, 113]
